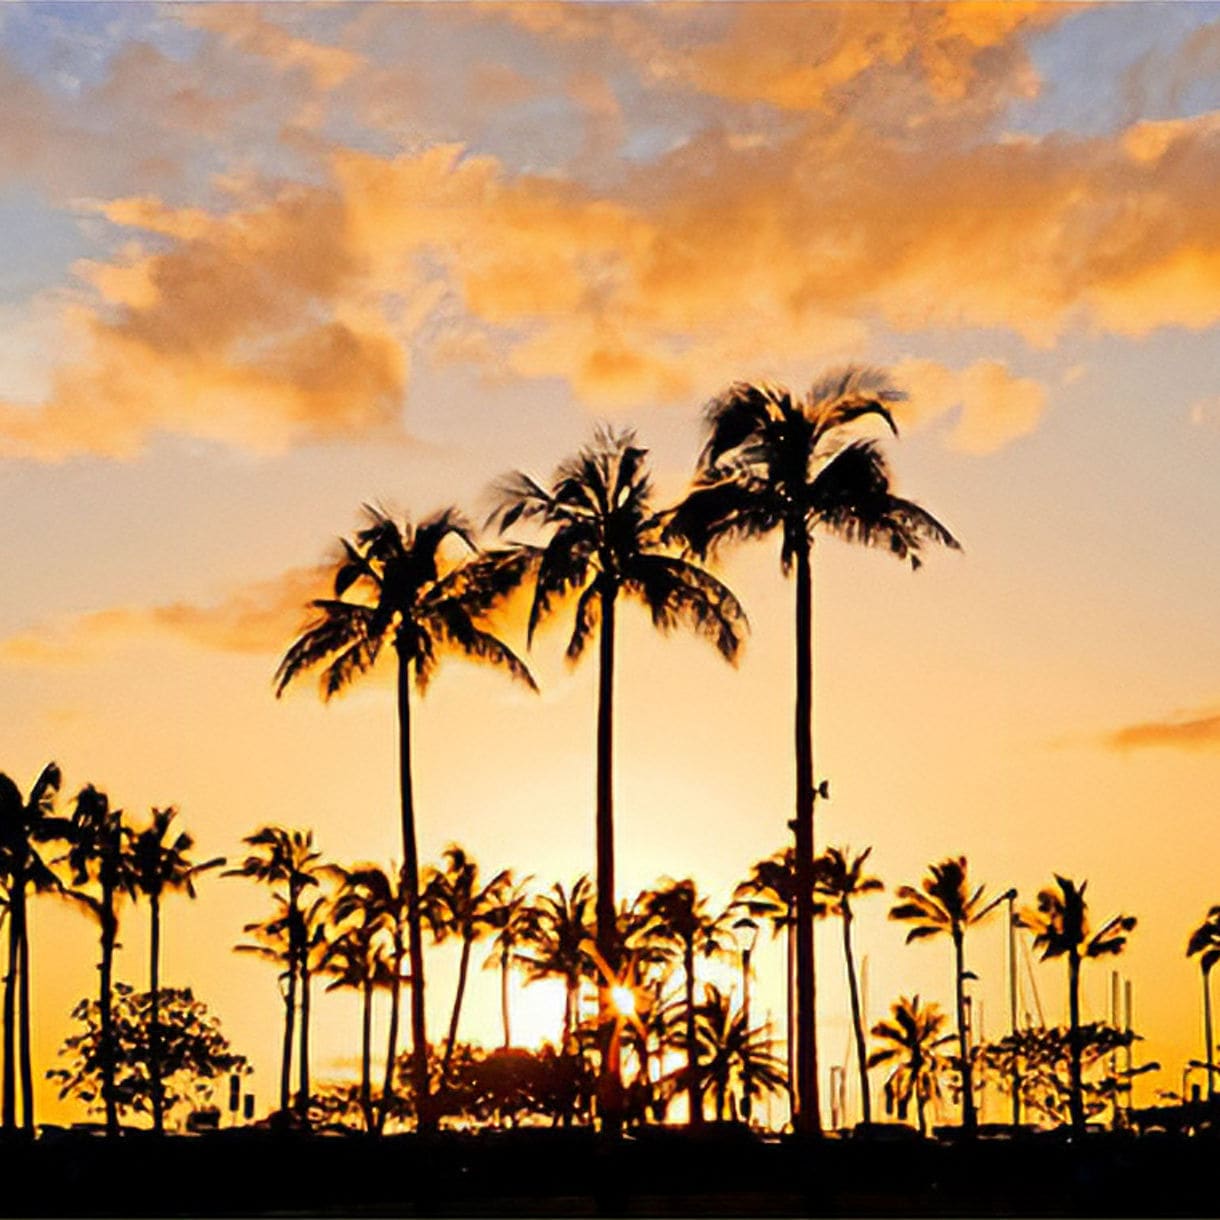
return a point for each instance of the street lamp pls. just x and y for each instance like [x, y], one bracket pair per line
[746, 932]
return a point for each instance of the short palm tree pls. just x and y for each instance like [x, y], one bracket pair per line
[840, 877]
[160, 867]
[731, 1054]
[456, 904]
[945, 906]
[24, 824]
[1205, 942]
[287, 858]
[393, 585]
[912, 1041]
[772, 462]
[511, 919]
[99, 853]
[678, 915]
[1060, 924]
[606, 543]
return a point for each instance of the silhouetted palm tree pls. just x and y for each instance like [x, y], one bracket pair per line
[1205, 941]
[406, 598]
[678, 915]
[945, 906]
[730, 1054]
[775, 462]
[287, 857]
[913, 1042]
[158, 867]
[841, 878]
[454, 904]
[512, 918]
[607, 541]
[1061, 928]
[99, 853]
[24, 823]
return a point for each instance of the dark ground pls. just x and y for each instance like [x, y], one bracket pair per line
[572, 1173]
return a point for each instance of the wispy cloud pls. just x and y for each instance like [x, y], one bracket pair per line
[1182, 732]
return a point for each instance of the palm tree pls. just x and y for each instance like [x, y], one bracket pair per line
[455, 905]
[24, 823]
[607, 541]
[98, 852]
[1205, 941]
[731, 1053]
[513, 918]
[158, 867]
[945, 906]
[775, 462]
[678, 916]
[912, 1043]
[405, 597]
[841, 878]
[288, 857]
[1061, 928]
[561, 947]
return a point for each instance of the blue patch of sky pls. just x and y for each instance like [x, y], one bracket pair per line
[37, 244]
[1106, 67]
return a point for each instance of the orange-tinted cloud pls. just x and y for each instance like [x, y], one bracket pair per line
[1179, 732]
[258, 618]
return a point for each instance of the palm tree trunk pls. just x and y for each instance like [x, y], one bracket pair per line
[9, 1105]
[109, 935]
[154, 1028]
[23, 1003]
[1076, 1095]
[790, 996]
[451, 1041]
[609, 1092]
[391, 1054]
[857, 1021]
[425, 1119]
[969, 1118]
[366, 1054]
[504, 1013]
[693, 1092]
[303, 1065]
[1207, 1033]
[290, 1012]
[807, 1119]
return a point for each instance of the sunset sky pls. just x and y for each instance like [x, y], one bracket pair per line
[261, 265]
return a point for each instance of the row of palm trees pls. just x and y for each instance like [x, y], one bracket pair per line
[771, 462]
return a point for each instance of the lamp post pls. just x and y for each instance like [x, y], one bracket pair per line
[746, 931]
[1011, 897]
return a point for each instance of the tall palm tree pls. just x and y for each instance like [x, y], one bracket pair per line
[1061, 929]
[945, 906]
[730, 1052]
[403, 593]
[1205, 941]
[454, 904]
[24, 824]
[912, 1042]
[773, 461]
[607, 541]
[288, 858]
[99, 853]
[679, 915]
[512, 919]
[560, 946]
[159, 867]
[840, 877]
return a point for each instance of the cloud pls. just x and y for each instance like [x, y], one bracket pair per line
[1176, 732]
[257, 619]
[1205, 413]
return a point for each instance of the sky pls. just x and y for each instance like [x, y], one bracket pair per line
[260, 265]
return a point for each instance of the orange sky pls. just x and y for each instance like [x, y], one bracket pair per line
[263, 264]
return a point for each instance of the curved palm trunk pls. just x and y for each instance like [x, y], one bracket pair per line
[504, 1012]
[969, 1117]
[693, 1092]
[387, 1088]
[610, 1085]
[366, 1053]
[857, 1021]
[154, 1028]
[451, 1041]
[109, 936]
[425, 1120]
[1076, 1096]
[303, 1065]
[1207, 1033]
[807, 1118]
[9, 1104]
[23, 1001]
